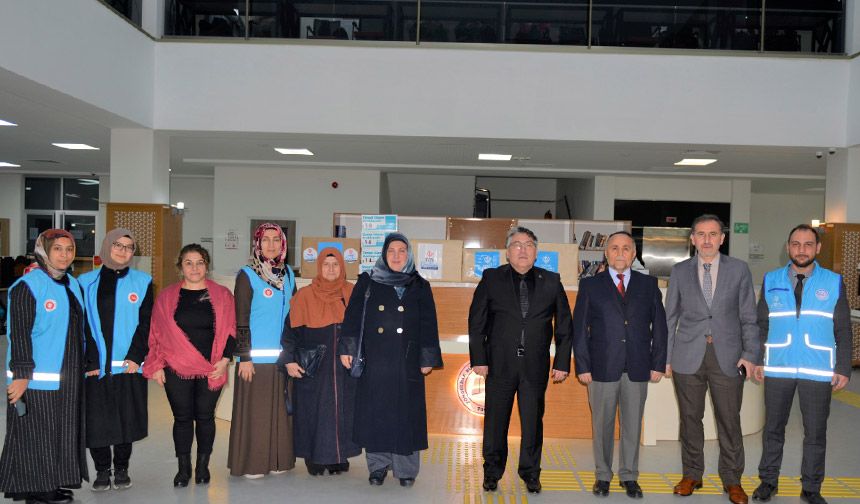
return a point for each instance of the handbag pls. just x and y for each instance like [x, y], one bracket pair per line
[358, 361]
[309, 359]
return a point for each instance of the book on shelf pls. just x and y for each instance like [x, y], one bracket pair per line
[589, 268]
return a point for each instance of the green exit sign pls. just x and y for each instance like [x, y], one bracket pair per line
[742, 227]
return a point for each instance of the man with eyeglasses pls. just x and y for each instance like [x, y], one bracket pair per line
[510, 331]
[713, 343]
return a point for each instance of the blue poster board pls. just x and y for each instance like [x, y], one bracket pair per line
[485, 260]
[547, 260]
[334, 245]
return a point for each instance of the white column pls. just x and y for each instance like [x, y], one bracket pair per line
[152, 17]
[604, 197]
[739, 245]
[139, 166]
[852, 27]
[841, 203]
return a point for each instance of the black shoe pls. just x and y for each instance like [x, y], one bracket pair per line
[184, 473]
[48, 498]
[407, 482]
[491, 483]
[315, 469]
[377, 477]
[764, 492]
[337, 468]
[102, 481]
[66, 491]
[121, 481]
[533, 485]
[634, 491]
[812, 497]
[600, 488]
[201, 470]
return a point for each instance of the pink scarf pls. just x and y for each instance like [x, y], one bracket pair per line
[169, 345]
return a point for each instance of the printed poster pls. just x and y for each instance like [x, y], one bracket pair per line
[486, 260]
[430, 260]
[547, 260]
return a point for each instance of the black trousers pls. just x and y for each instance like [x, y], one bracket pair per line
[102, 456]
[727, 394]
[193, 406]
[499, 402]
[814, 398]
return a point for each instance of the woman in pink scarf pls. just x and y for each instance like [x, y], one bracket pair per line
[191, 340]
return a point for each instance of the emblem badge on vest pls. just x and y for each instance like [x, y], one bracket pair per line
[133, 297]
[777, 302]
[268, 292]
[50, 305]
[822, 294]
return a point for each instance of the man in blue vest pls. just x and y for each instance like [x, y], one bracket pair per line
[806, 327]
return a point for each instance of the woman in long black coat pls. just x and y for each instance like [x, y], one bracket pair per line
[401, 345]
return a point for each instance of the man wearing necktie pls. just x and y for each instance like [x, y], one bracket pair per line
[713, 343]
[510, 331]
[619, 345]
[806, 326]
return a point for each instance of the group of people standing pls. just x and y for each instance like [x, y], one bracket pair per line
[80, 352]
[709, 336]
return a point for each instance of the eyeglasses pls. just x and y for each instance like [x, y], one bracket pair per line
[522, 245]
[119, 247]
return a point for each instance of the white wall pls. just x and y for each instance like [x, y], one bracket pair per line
[198, 194]
[11, 207]
[466, 92]
[542, 191]
[305, 195]
[580, 198]
[771, 218]
[430, 195]
[82, 49]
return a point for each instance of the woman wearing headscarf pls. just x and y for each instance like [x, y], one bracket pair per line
[261, 433]
[43, 453]
[323, 401]
[401, 345]
[118, 302]
[191, 341]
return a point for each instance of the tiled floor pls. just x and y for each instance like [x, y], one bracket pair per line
[451, 470]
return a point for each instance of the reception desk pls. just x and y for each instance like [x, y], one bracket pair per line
[454, 396]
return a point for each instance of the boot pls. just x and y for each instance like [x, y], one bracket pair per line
[184, 473]
[201, 472]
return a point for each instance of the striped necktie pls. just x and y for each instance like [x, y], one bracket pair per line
[524, 296]
[707, 284]
[621, 284]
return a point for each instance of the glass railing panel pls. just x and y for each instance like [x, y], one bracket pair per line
[326, 20]
[205, 18]
[805, 26]
[690, 24]
[129, 9]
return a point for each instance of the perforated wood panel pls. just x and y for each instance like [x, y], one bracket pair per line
[158, 234]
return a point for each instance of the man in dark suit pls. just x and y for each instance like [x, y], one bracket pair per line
[510, 331]
[619, 345]
[713, 343]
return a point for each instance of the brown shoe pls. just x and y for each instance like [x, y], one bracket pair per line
[737, 494]
[686, 486]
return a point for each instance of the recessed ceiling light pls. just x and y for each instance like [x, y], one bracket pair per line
[84, 181]
[7, 123]
[294, 152]
[695, 162]
[4, 164]
[75, 146]
[495, 157]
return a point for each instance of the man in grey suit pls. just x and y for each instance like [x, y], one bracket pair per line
[713, 343]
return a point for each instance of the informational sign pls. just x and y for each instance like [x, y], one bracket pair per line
[547, 260]
[374, 229]
[486, 260]
[231, 242]
[430, 260]
[742, 227]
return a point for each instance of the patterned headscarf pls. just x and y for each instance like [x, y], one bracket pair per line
[43, 245]
[107, 244]
[270, 270]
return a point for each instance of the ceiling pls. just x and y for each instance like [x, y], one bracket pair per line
[43, 118]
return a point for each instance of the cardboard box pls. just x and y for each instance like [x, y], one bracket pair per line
[349, 247]
[563, 258]
[438, 260]
[475, 260]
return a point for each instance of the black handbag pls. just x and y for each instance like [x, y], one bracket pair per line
[358, 361]
[309, 359]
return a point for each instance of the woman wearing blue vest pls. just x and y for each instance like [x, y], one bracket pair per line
[261, 433]
[118, 302]
[43, 454]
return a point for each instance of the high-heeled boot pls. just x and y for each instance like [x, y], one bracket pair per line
[184, 473]
[201, 471]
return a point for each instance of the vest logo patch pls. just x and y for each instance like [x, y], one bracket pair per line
[133, 297]
[50, 305]
[822, 294]
[267, 292]
[776, 302]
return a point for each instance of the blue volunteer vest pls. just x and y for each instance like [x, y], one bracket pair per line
[49, 328]
[269, 308]
[130, 291]
[801, 347]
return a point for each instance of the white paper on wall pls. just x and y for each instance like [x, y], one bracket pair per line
[430, 260]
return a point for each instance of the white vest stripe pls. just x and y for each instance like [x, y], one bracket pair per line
[265, 353]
